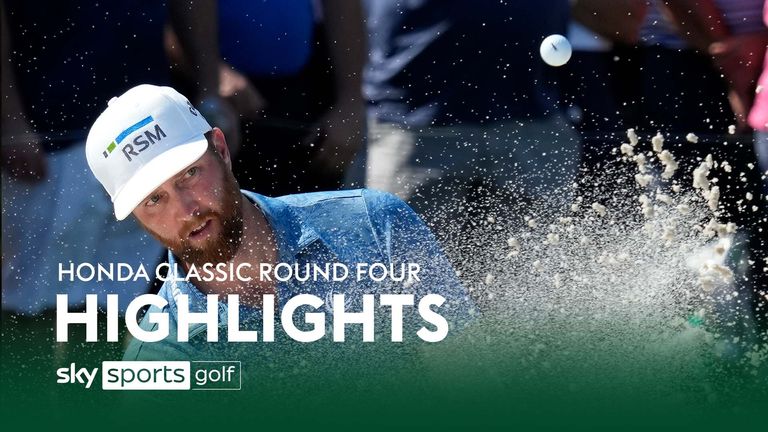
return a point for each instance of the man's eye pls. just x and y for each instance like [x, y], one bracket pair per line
[191, 172]
[152, 200]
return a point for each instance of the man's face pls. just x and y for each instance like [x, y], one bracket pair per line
[197, 214]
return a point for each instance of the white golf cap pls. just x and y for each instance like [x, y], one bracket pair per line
[143, 138]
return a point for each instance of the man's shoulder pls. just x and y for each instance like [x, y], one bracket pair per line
[341, 218]
[313, 198]
[370, 198]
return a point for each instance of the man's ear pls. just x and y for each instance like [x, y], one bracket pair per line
[220, 144]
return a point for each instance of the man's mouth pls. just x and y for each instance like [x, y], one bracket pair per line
[200, 230]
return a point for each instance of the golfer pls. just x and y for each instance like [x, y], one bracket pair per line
[161, 162]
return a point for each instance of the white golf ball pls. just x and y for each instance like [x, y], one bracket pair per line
[555, 50]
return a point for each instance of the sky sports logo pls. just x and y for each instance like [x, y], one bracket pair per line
[156, 375]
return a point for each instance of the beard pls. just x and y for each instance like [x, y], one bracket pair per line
[215, 249]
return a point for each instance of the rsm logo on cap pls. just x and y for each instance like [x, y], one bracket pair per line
[140, 143]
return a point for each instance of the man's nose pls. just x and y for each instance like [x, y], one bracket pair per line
[189, 206]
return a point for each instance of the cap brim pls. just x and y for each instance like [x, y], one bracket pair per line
[156, 172]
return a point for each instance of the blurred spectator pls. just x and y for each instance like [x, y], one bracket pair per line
[731, 31]
[722, 44]
[675, 72]
[462, 111]
[758, 116]
[292, 69]
[758, 119]
[62, 62]
[696, 69]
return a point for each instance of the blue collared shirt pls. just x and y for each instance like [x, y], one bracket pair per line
[349, 227]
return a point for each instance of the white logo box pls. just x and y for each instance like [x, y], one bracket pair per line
[145, 375]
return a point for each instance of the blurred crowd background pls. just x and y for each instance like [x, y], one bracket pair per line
[445, 103]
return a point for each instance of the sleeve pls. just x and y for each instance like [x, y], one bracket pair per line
[404, 238]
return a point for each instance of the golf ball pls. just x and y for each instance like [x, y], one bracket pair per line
[555, 50]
